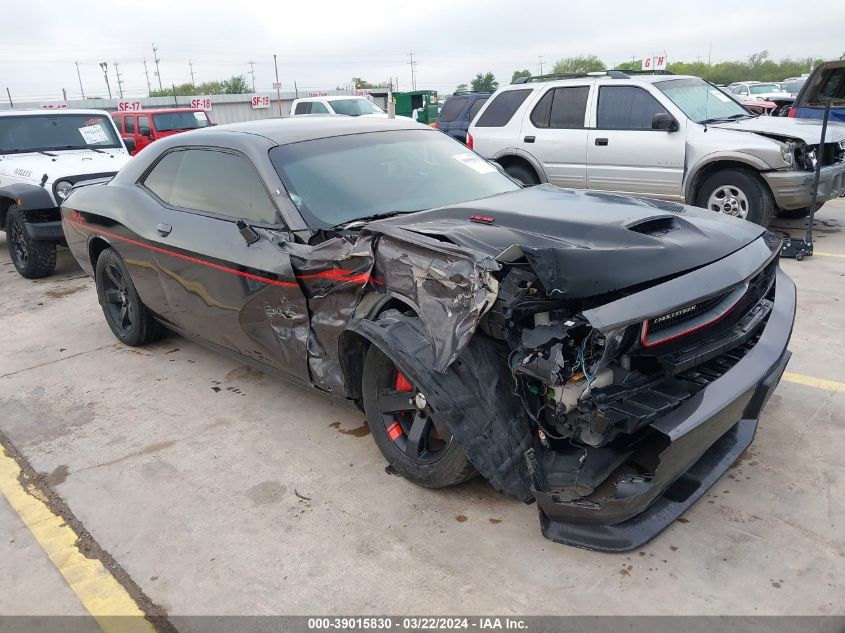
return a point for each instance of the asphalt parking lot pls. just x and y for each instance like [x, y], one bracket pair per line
[215, 489]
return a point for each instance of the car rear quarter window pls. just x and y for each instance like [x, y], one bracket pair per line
[303, 107]
[561, 108]
[476, 106]
[626, 108]
[118, 123]
[451, 109]
[213, 181]
[502, 108]
[129, 122]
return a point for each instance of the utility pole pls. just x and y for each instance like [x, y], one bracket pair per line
[147, 74]
[191, 66]
[295, 88]
[64, 94]
[278, 84]
[80, 80]
[105, 68]
[540, 59]
[252, 72]
[413, 71]
[9, 94]
[119, 80]
[157, 60]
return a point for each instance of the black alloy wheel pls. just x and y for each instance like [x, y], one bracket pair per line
[119, 307]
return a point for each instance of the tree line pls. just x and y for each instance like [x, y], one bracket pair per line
[235, 85]
[757, 67]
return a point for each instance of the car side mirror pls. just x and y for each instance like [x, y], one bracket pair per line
[664, 121]
[144, 131]
[130, 144]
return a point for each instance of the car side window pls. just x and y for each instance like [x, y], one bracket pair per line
[476, 106]
[303, 107]
[318, 107]
[502, 108]
[562, 108]
[144, 126]
[213, 181]
[626, 108]
[118, 123]
[451, 109]
[129, 122]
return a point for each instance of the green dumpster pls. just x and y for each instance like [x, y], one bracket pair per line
[422, 102]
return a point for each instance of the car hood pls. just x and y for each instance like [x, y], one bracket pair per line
[584, 243]
[808, 130]
[62, 163]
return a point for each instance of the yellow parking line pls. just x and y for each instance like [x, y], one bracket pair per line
[100, 593]
[823, 254]
[810, 381]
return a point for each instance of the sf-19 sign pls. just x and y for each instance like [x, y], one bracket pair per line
[260, 101]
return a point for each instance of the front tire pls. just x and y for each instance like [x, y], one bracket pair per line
[32, 259]
[129, 319]
[738, 192]
[412, 440]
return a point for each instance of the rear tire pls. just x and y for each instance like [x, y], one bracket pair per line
[523, 174]
[438, 461]
[129, 319]
[738, 192]
[32, 259]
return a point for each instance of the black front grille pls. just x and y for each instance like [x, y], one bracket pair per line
[682, 315]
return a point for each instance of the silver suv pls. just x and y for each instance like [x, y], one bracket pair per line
[665, 136]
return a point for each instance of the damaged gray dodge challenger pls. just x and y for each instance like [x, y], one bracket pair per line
[607, 357]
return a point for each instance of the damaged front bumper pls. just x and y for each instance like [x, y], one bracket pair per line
[700, 439]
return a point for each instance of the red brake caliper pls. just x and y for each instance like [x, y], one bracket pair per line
[394, 431]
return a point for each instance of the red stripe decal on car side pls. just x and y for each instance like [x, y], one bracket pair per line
[284, 284]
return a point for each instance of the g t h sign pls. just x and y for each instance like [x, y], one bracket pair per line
[204, 103]
[260, 101]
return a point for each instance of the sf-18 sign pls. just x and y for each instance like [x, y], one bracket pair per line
[204, 103]
[128, 106]
[658, 62]
[260, 101]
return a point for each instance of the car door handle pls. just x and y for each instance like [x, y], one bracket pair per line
[601, 141]
[529, 139]
[164, 229]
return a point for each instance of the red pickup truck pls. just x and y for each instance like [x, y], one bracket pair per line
[142, 127]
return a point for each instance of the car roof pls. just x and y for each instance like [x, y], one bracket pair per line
[304, 127]
[331, 98]
[50, 111]
[603, 79]
[160, 110]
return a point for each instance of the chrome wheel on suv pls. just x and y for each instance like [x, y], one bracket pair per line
[729, 199]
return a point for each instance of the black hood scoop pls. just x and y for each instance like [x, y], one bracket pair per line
[585, 243]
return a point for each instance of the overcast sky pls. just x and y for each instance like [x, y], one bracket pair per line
[323, 43]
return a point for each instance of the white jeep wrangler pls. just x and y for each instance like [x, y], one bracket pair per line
[43, 154]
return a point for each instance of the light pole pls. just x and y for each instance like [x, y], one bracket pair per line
[105, 68]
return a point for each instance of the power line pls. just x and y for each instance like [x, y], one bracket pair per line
[252, 72]
[158, 71]
[147, 75]
[119, 80]
[191, 66]
[79, 76]
[413, 71]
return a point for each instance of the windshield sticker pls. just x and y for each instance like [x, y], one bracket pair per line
[94, 134]
[201, 116]
[475, 162]
[720, 96]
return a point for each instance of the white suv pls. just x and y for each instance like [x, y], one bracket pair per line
[664, 136]
[43, 154]
[337, 104]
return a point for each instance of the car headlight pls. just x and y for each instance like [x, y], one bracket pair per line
[787, 152]
[63, 188]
